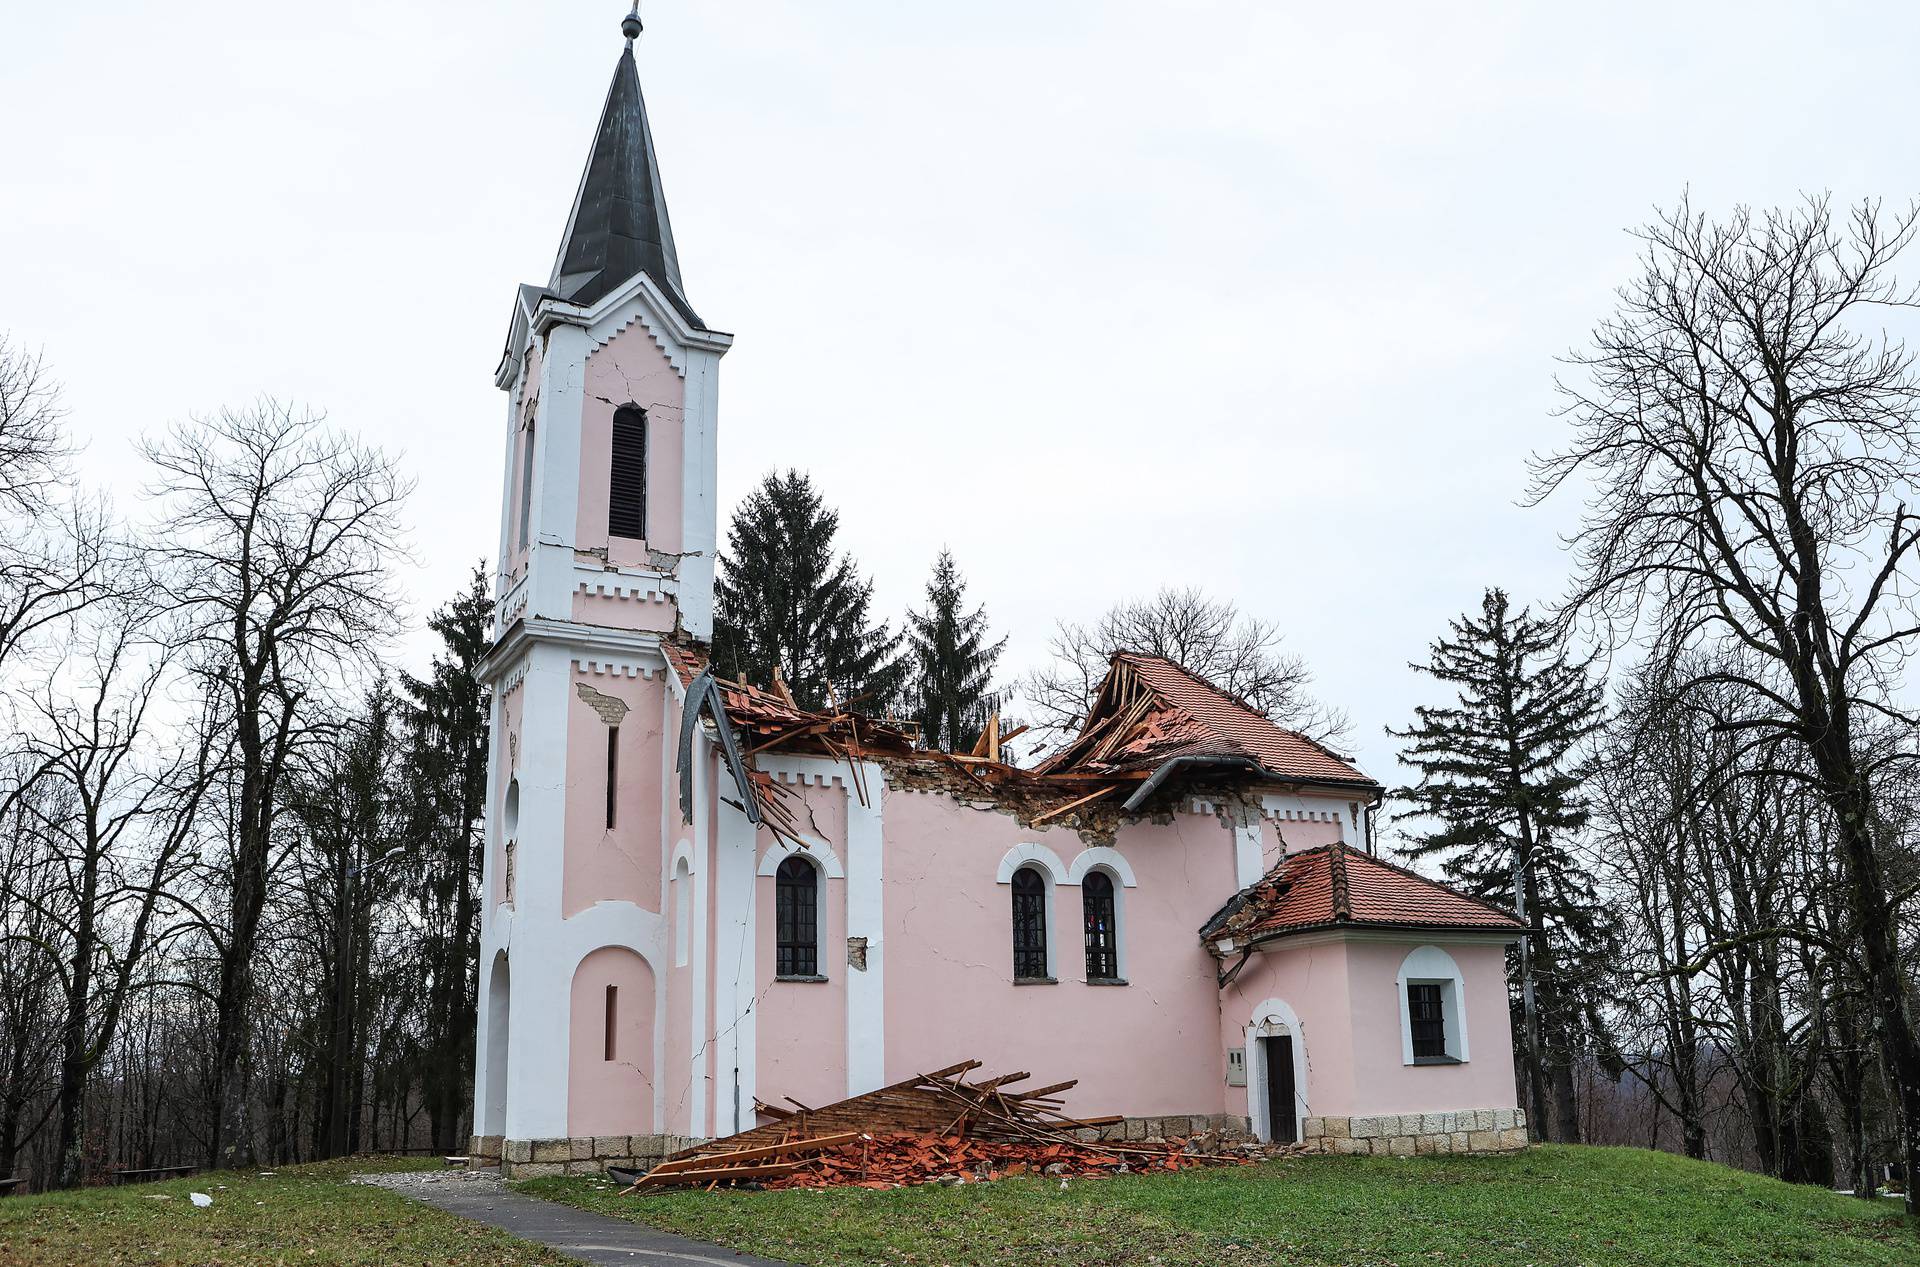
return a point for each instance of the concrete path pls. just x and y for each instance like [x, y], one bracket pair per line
[591, 1238]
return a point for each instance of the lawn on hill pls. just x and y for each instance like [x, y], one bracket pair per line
[300, 1214]
[1595, 1207]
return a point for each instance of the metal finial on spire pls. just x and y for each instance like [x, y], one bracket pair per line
[630, 26]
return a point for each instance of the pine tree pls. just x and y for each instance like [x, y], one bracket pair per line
[1500, 789]
[784, 600]
[446, 788]
[950, 661]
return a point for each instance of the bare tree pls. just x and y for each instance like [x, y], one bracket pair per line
[119, 846]
[1751, 435]
[274, 548]
[57, 553]
[34, 448]
[32, 908]
[1206, 636]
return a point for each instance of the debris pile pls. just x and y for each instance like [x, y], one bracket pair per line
[936, 1127]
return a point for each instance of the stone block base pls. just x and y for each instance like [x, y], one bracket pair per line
[1173, 1126]
[585, 1155]
[1419, 1134]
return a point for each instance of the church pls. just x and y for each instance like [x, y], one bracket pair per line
[702, 900]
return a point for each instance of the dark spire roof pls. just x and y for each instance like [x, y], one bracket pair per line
[619, 223]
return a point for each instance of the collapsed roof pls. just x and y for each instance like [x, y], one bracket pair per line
[1153, 728]
[1336, 886]
[1152, 717]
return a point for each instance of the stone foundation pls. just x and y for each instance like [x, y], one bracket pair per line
[1420, 1134]
[1173, 1126]
[1389, 1135]
[537, 1158]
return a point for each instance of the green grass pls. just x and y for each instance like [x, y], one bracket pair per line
[1547, 1207]
[301, 1214]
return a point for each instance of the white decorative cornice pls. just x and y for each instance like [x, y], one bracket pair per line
[640, 299]
[619, 668]
[582, 642]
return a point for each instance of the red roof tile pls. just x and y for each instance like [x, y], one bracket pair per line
[1236, 729]
[1334, 886]
[1163, 711]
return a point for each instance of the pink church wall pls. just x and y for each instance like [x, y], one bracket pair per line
[624, 864]
[611, 1097]
[1312, 980]
[1149, 1047]
[655, 615]
[1386, 1085]
[631, 368]
[802, 1032]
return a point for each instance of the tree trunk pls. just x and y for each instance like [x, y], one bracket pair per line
[70, 1163]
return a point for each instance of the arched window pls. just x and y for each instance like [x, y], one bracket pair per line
[1029, 925]
[796, 919]
[526, 483]
[1103, 928]
[627, 474]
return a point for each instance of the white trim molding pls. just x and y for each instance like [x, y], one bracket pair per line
[1430, 965]
[1040, 856]
[1274, 1018]
[1106, 858]
[816, 851]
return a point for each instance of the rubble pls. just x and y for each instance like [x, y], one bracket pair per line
[935, 1128]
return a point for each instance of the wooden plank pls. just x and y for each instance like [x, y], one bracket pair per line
[1058, 810]
[788, 1148]
[723, 1174]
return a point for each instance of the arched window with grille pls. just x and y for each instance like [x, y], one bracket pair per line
[1029, 926]
[1102, 927]
[796, 918]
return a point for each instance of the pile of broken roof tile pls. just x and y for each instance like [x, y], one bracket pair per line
[932, 1128]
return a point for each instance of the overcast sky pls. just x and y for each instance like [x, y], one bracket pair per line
[1260, 297]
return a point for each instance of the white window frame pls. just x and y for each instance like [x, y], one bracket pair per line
[770, 864]
[1430, 965]
[682, 910]
[1275, 1019]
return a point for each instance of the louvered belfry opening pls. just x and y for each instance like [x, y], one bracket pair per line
[627, 487]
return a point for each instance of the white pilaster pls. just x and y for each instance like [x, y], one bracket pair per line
[1247, 867]
[699, 512]
[537, 1031]
[556, 473]
[735, 873]
[489, 932]
[698, 953]
[866, 991]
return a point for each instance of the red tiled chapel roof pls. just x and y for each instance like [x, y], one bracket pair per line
[1334, 886]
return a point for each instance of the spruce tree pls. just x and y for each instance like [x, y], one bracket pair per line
[445, 717]
[784, 599]
[1500, 795]
[950, 662]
